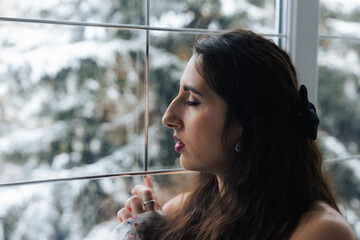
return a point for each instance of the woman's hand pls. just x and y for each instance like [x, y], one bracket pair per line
[135, 206]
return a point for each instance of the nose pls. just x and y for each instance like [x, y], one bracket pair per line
[171, 118]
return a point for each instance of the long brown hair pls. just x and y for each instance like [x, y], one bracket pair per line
[278, 174]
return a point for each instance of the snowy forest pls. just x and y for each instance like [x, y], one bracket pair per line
[72, 103]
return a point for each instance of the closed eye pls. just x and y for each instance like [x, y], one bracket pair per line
[190, 103]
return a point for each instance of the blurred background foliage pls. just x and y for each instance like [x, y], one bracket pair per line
[72, 103]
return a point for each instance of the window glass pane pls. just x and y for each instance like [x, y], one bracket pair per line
[338, 17]
[339, 92]
[168, 57]
[109, 11]
[257, 15]
[339, 109]
[72, 101]
[73, 210]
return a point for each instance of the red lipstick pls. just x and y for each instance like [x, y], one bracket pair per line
[179, 145]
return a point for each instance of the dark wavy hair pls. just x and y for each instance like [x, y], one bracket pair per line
[278, 173]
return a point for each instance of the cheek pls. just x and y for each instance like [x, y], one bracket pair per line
[212, 127]
[207, 136]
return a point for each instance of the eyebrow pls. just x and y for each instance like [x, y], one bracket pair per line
[191, 89]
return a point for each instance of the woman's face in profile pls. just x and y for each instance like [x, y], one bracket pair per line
[197, 116]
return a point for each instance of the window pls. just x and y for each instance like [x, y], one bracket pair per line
[339, 98]
[84, 84]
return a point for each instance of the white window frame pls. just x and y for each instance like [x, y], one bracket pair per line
[302, 24]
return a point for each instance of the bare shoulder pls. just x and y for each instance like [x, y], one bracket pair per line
[174, 204]
[322, 222]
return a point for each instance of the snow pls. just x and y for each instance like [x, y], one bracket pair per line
[101, 231]
[354, 164]
[339, 149]
[172, 19]
[343, 28]
[335, 145]
[63, 55]
[347, 61]
[261, 20]
[231, 7]
[64, 9]
[21, 139]
[228, 7]
[40, 211]
[351, 92]
[341, 6]
[60, 161]
[18, 196]
[35, 51]
[39, 216]
[352, 218]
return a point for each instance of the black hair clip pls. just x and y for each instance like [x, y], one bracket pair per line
[308, 115]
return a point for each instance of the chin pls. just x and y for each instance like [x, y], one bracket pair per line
[187, 164]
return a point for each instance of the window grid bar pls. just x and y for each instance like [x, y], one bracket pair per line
[324, 36]
[147, 85]
[343, 159]
[92, 177]
[123, 26]
[280, 22]
[137, 173]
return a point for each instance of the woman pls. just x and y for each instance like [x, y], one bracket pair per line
[241, 122]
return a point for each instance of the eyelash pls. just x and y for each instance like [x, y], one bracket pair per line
[191, 101]
[192, 104]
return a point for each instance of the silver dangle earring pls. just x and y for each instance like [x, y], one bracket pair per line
[237, 147]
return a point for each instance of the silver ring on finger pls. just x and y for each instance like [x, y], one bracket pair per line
[149, 201]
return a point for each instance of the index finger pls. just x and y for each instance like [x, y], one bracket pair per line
[145, 192]
[148, 183]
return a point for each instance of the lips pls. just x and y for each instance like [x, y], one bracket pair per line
[179, 145]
